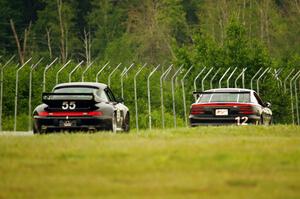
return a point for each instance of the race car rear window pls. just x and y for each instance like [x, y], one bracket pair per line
[99, 92]
[224, 97]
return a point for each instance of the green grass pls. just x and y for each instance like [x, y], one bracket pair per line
[205, 162]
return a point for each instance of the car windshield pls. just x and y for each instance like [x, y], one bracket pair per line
[224, 97]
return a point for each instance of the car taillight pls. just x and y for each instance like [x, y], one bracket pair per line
[197, 110]
[43, 113]
[94, 113]
[247, 110]
[74, 114]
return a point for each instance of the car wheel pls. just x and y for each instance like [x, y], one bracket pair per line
[36, 129]
[271, 121]
[114, 124]
[261, 121]
[126, 124]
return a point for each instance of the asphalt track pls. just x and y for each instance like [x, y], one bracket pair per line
[16, 133]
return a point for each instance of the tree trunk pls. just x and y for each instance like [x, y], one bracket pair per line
[17, 42]
[26, 34]
[62, 32]
[244, 10]
[267, 22]
[66, 45]
[90, 45]
[250, 21]
[297, 6]
[49, 42]
[261, 23]
[86, 46]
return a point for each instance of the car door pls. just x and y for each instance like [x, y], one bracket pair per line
[266, 112]
[120, 109]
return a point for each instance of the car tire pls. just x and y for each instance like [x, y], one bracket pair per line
[261, 121]
[113, 127]
[126, 124]
[36, 129]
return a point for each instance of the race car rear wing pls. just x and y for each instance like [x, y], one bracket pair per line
[47, 97]
[198, 93]
[83, 101]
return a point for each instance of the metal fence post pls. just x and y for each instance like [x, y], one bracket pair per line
[183, 94]
[1, 92]
[121, 80]
[100, 71]
[291, 91]
[224, 74]
[228, 79]
[122, 77]
[85, 70]
[243, 79]
[285, 80]
[16, 93]
[296, 98]
[196, 78]
[162, 77]
[109, 77]
[44, 74]
[173, 94]
[239, 76]
[266, 75]
[203, 79]
[257, 81]
[213, 77]
[57, 73]
[149, 95]
[75, 68]
[251, 81]
[277, 74]
[135, 97]
[33, 66]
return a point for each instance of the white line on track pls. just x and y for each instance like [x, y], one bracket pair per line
[17, 133]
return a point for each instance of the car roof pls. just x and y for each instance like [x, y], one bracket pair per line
[229, 90]
[84, 84]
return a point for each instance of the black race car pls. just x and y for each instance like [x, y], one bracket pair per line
[229, 106]
[80, 106]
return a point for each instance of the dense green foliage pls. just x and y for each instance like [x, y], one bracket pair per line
[205, 162]
[147, 31]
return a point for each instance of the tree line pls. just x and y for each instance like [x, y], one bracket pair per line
[148, 31]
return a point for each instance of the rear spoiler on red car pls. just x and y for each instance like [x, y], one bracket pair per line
[198, 93]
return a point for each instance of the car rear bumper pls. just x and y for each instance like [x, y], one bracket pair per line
[217, 120]
[71, 123]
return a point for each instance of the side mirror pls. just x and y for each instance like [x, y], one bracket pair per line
[268, 104]
[196, 95]
[120, 100]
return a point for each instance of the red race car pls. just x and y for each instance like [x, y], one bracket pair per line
[229, 106]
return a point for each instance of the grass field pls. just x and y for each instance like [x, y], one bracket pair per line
[206, 162]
